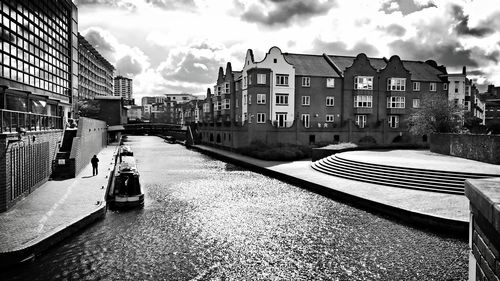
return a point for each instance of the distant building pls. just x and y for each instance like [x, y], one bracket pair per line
[95, 72]
[492, 107]
[459, 89]
[180, 98]
[111, 109]
[123, 87]
[134, 113]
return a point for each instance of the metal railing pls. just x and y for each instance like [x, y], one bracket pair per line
[14, 121]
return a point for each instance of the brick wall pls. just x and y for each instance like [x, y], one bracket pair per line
[484, 234]
[90, 139]
[25, 163]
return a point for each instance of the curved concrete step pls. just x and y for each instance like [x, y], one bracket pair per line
[374, 181]
[464, 175]
[395, 174]
[396, 181]
[404, 177]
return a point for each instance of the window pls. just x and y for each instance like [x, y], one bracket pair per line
[281, 119]
[244, 99]
[261, 118]
[393, 121]
[206, 107]
[249, 79]
[226, 88]
[281, 99]
[416, 86]
[305, 118]
[363, 82]
[237, 103]
[396, 84]
[363, 101]
[281, 80]
[395, 102]
[218, 105]
[432, 87]
[329, 118]
[237, 85]
[306, 100]
[330, 82]
[227, 104]
[249, 99]
[445, 86]
[218, 91]
[361, 121]
[330, 101]
[261, 78]
[244, 82]
[416, 103]
[261, 98]
[306, 81]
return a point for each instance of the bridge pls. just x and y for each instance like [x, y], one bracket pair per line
[153, 129]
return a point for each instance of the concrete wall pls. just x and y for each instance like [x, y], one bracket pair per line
[484, 148]
[484, 230]
[90, 139]
[25, 163]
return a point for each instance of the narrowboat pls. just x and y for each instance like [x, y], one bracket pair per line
[126, 191]
[126, 151]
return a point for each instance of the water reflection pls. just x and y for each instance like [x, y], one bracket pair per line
[208, 220]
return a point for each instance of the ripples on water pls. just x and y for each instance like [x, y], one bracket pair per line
[209, 220]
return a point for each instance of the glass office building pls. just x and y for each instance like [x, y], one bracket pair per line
[38, 57]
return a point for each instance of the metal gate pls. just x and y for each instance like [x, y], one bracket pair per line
[29, 164]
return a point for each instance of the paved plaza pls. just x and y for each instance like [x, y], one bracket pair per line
[56, 205]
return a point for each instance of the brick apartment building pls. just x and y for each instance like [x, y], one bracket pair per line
[304, 99]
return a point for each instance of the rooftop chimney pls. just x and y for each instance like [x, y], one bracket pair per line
[464, 70]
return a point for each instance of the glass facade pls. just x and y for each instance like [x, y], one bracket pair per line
[36, 45]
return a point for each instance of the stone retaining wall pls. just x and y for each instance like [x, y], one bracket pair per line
[484, 148]
[90, 139]
[484, 231]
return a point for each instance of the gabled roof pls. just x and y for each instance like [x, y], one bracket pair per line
[236, 75]
[421, 71]
[310, 65]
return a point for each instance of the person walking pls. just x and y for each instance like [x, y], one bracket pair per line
[94, 162]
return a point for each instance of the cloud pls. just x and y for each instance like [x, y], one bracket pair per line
[281, 12]
[395, 29]
[128, 66]
[198, 63]
[449, 54]
[406, 7]
[100, 42]
[340, 48]
[172, 4]
[462, 28]
[128, 61]
[123, 4]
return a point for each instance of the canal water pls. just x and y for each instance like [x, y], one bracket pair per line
[209, 220]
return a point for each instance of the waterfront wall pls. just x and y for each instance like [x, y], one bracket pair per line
[90, 139]
[25, 163]
[484, 230]
[484, 148]
[243, 135]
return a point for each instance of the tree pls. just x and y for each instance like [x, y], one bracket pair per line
[473, 124]
[435, 115]
[88, 108]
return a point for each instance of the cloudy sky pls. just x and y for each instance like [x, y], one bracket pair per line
[174, 46]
